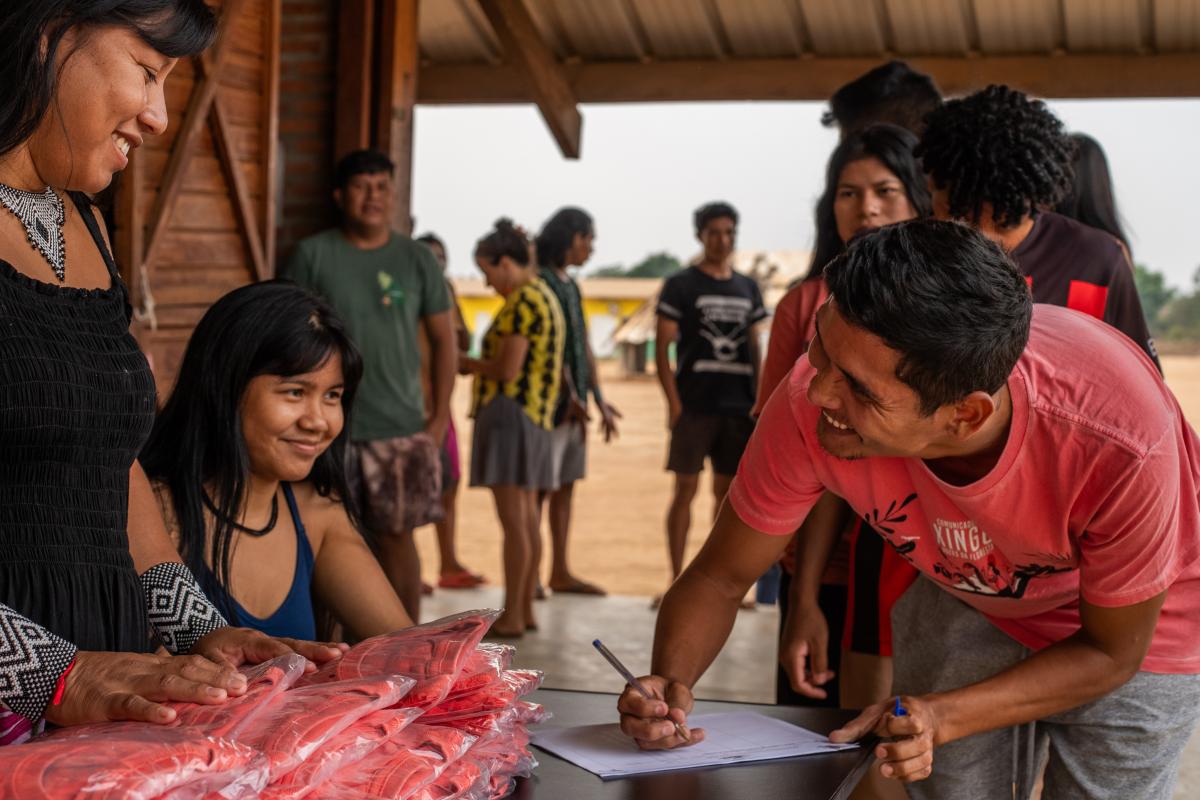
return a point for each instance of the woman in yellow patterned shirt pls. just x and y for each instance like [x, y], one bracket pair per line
[516, 390]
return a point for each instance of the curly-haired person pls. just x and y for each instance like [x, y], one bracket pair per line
[999, 160]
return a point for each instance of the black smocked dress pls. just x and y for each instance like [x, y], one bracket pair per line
[77, 402]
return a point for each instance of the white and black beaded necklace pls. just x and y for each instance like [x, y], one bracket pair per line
[43, 215]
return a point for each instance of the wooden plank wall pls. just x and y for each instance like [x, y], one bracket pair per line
[218, 226]
[307, 119]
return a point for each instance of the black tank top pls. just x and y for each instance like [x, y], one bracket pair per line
[77, 402]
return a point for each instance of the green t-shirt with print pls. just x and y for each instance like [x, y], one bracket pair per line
[381, 296]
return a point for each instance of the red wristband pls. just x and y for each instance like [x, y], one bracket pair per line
[60, 688]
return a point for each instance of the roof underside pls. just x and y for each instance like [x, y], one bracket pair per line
[630, 50]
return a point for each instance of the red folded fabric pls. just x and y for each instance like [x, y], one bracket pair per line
[139, 762]
[348, 747]
[462, 779]
[504, 755]
[298, 722]
[485, 665]
[264, 682]
[401, 766]
[434, 654]
[496, 696]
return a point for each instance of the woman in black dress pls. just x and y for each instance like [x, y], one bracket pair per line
[90, 584]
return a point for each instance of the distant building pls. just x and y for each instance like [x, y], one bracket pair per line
[606, 303]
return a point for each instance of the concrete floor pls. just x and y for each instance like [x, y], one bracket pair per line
[744, 671]
[562, 648]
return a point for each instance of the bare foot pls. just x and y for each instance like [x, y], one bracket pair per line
[573, 585]
[748, 604]
[508, 626]
[539, 593]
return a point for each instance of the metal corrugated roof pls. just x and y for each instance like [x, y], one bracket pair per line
[455, 31]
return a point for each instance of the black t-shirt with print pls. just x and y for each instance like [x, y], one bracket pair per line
[715, 370]
[1070, 264]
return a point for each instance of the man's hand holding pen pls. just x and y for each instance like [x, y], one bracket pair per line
[654, 723]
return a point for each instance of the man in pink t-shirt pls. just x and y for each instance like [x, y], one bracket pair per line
[1031, 464]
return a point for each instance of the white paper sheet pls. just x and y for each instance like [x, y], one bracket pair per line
[732, 738]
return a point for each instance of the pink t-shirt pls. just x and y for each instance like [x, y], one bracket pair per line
[1094, 495]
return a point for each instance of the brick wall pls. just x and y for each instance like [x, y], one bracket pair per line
[306, 118]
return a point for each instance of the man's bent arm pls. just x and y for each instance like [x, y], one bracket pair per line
[1105, 653]
[698, 611]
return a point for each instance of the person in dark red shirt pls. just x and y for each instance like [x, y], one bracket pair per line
[998, 160]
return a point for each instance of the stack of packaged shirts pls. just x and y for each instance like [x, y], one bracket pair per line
[428, 713]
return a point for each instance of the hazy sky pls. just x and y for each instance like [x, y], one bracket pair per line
[645, 168]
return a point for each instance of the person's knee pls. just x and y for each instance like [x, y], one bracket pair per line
[685, 487]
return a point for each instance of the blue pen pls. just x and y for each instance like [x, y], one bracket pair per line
[635, 683]
[899, 711]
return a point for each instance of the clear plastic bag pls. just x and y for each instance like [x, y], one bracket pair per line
[348, 747]
[265, 682]
[504, 754]
[434, 654]
[484, 666]
[465, 779]
[401, 766]
[490, 699]
[298, 722]
[136, 762]
[531, 713]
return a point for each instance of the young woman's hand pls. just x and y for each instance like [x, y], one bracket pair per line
[237, 646]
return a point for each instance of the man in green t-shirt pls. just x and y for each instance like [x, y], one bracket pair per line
[386, 287]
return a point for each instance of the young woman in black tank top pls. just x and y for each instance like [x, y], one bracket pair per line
[90, 584]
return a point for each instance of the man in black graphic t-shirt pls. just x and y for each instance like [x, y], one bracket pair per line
[712, 314]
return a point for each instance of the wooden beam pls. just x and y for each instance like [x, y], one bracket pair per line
[396, 98]
[271, 182]
[544, 76]
[243, 203]
[195, 119]
[1063, 76]
[356, 45]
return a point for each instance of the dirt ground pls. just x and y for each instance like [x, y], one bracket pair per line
[618, 539]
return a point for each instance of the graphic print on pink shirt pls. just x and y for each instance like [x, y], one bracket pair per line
[1094, 494]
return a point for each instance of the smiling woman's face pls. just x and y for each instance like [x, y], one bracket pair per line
[107, 101]
[288, 421]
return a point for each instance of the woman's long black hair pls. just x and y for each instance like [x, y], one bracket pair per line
[270, 328]
[558, 234]
[1091, 199]
[893, 146]
[175, 28]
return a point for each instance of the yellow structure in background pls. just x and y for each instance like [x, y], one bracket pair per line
[606, 303]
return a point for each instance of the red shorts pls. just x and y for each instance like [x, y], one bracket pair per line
[878, 576]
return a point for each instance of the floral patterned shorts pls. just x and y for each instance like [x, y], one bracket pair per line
[396, 483]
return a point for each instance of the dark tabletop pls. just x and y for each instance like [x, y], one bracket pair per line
[817, 777]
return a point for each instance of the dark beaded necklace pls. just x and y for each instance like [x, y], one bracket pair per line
[263, 531]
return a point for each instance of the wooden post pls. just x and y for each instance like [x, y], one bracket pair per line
[356, 48]
[398, 61]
